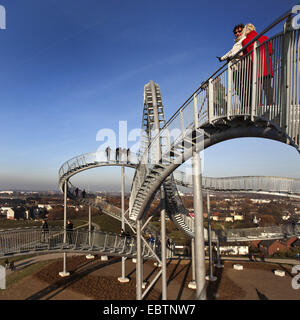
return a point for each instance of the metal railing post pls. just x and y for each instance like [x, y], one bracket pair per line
[105, 241]
[76, 239]
[123, 278]
[253, 92]
[210, 100]
[285, 76]
[229, 90]
[90, 224]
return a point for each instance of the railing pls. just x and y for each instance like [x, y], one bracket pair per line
[252, 183]
[93, 200]
[272, 232]
[19, 241]
[264, 84]
[96, 158]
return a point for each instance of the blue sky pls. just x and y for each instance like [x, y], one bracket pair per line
[72, 68]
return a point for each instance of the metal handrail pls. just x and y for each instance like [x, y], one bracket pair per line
[272, 25]
[270, 184]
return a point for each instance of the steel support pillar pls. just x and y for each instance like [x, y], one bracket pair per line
[64, 273]
[90, 256]
[139, 261]
[123, 278]
[219, 262]
[210, 277]
[192, 284]
[199, 228]
[163, 244]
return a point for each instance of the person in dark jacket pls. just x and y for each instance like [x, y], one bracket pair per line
[107, 151]
[12, 266]
[69, 229]
[118, 154]
[45, 230]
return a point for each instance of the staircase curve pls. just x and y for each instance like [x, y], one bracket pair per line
[230, 104]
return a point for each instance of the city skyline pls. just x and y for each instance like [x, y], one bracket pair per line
[71, 69]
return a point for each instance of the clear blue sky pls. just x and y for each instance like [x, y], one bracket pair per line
[71, 68]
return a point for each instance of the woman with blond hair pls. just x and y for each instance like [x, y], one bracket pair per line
[219, 89]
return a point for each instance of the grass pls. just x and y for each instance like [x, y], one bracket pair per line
[9, 224]
[107, 223]
[18, 275]
[15, 259]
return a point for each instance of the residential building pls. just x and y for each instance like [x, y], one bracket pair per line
[236, 248]
[8, 212]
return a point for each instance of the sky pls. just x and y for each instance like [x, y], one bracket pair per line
[71, 68]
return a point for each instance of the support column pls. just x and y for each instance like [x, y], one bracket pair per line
[219, 262]
[210, 277]
[64, 273]
[199, 228]
[123, 278]
[163, 244]
[192, 284]
[90, 256]
[139, 261]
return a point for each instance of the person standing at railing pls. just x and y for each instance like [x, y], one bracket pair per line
[69, 229]
[118, 154]
[265, 69]
[128, 155]
[83, 193]
[239, 37]
[12, 266]
[76, 192]
[236, 69]
[219, 97]
[45, 230]
[122, 233]
[107, 150]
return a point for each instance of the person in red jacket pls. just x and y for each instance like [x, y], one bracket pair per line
[265, 70]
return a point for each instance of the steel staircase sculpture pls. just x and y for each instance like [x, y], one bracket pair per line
[224, 110]
[27, 240]
[89, 161]
[256, 184]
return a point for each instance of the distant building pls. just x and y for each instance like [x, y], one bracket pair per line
[229, 248]
[260, 201]
[238, 217]
[6, 192]
[8, 212]
[215, 216]
[45, 206]
[273, 246]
